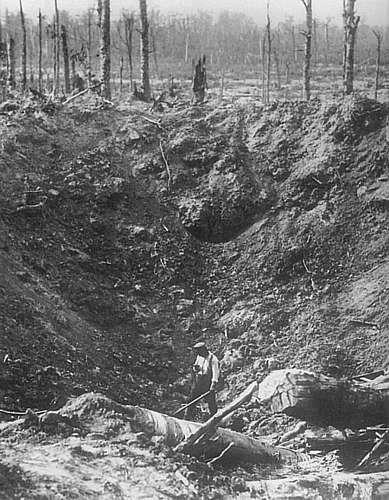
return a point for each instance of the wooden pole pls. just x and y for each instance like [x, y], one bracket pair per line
[180, 410]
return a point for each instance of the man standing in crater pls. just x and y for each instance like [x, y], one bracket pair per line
[205, 378]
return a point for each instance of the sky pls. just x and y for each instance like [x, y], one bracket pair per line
[374, 12]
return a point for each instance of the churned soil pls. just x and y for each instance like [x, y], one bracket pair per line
[126, 235]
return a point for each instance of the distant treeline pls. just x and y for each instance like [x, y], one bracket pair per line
[231, 41]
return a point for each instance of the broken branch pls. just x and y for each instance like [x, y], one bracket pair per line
[71, 98]
[219, 457]
[169, 176]
[209, 428]
[375, 448]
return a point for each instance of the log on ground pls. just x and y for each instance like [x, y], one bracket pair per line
[174, 431]
[325, 400]
[338, 486]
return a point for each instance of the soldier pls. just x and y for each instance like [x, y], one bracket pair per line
[205, 377]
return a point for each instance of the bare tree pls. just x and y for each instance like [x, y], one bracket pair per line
[121, 74]
[379, 36]
[73, 59]
[263, 62]
[287, 72]
[56, 47]
[200, 80]
[294, 50]
[308, 48]
[104, 12]
[24, 46]
[65, 52]
[154, 50]
[327, 39]
[129, 23]
[145, 51]
[89, 48]
[315, 41]
[40, 54]
[277, 58]
[269, 46]
[186, 27]
[351, 22]
[11, 63]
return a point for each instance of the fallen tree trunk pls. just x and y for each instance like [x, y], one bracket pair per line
[174, 430]
[206, 430]
[244, 449]
[339, 485]
[326, 400]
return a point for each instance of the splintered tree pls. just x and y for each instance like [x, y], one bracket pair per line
[11, 63]
[56, 47]
[89, 49]
[269, 48]
[40, 71]
[379, 36]
[350, 23]
[200, 80]
[3, 64]
[24, 46]
[104, 12]
[129, 23]
[327, 40]
[145, 52]
[308, 48]
[65, 52]
[263, 64]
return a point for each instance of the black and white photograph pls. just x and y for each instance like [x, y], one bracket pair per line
[194, 249]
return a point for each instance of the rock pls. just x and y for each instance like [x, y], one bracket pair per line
[184, 305]
[232, 359]
[4, 237]
[114, 188]
[238, 320]
[140, 232]
[24, 276]
[378, 192]
[79, 255]
[272, 364]
[140, 169]
[9, 106]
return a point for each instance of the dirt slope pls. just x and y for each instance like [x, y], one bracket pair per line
[266, 233]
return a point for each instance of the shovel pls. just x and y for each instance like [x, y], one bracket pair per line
[193, 402]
